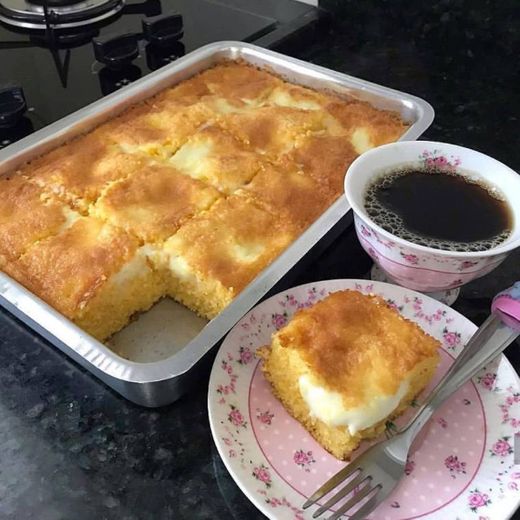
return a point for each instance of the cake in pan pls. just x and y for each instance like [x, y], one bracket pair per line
[153, 204]
[28, 215]
[92, 272]
[189, 194]
[346, 365]
[216, 254]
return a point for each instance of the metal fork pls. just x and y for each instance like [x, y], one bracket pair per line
[375, 473]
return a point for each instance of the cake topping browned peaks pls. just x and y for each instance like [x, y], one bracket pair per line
[352, 341]
[155, 202]
[207, 182]
[27, 215]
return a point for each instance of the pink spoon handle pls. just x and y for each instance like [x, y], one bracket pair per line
[508, 302]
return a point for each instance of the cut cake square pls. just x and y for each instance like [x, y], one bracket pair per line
[186, 93]
[325, 158]
[93, 273]
[240, 82]
[79, 171]
[215, 255]
[288, 191]
[28, 215]
[153, 203]
[215, 157]
[294, 96]
[346, 365]
[366, 126]
[275, 130]
[157, 128]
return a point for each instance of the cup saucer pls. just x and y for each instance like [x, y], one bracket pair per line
[448, 296]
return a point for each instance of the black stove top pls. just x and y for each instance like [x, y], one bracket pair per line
[61, 70]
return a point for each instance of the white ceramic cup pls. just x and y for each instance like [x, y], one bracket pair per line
[415, 266]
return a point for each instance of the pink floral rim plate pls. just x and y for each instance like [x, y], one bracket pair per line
[462, 468]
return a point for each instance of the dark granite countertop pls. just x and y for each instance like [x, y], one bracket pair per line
[72, 449]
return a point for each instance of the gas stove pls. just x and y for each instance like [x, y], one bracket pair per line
[59, 55]
[58, 14]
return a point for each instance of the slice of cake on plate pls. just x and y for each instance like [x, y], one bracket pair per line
[346, 365]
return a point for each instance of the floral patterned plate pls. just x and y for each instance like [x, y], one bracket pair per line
[462, 467]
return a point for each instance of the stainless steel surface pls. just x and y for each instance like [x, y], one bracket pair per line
[163, 367]
[381, 467]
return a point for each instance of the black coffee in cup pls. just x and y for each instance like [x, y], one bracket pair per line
[439, 209]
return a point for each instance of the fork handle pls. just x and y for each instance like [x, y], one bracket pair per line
[492, 337]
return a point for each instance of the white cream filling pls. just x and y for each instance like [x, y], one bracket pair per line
[136, 267]
[247, 253]
[170, 260]
[70, 217]
[222, 106]
[361, 140]
[191, 159]
[149, 148]
[328, 406]
[180, 267]
[284, 99]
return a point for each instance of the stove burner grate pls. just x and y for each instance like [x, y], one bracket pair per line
[52, 3]
[58, 14]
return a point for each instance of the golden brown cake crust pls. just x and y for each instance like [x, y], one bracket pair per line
[349, 338]
[26, 215]
[185, 93]
[68, 269]
[233, 241]
[296, 197]
[153, 203]
[157, 125]
[324, 158]
[384, 126]
[354, 347]
[215, 157]
[78, 172]
[222, 172]
[273, 130]
[239, 81]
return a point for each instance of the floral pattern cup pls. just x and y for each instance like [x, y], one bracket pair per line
[414, 266]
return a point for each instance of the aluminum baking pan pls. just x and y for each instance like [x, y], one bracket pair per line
[168, 343]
